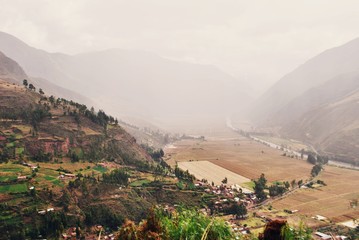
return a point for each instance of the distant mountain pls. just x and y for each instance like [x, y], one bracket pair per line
[12, 72]
[329, 120]
[327, 65]
[318, 103]
[135, 83]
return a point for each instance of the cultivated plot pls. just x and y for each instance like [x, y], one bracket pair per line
[212, 172]
[242, 156]
[331, 201]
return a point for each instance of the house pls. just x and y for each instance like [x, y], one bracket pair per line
[67, 176]
[323, 235]
[42, 212]
[320, 218]
[21, 178]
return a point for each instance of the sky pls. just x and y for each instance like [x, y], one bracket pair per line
[255, 41]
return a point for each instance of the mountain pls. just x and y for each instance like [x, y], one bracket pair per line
[12, 72]
[316, 71]
[59, 126]
[136, 83]
[65, 167]
[317, 103]
[327, 117]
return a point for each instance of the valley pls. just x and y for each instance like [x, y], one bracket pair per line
[250, 158]
[179, 120]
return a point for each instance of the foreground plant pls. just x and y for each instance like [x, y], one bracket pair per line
[179, 224]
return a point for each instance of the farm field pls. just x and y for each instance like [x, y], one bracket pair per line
[331, 201]
[241, 156]
[212, 172]
[244, 157]
[288, 143]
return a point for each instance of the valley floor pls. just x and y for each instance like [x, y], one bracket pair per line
[249, 159]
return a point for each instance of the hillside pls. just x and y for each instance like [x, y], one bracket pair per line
[58, 127]
[316, 103]
[64, 167]
[316, 71]
[12, 72]
[332, 127]
[136, 83]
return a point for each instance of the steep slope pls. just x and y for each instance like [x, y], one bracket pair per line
[59, 126]
[328, 92]
[12, 72]
[55, 129]
[135, 83]
[327, 65]
[333, 127]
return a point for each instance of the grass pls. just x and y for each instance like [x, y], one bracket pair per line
[49, 178]
[249, 185]
[19, 150]
[7, 178]
[140, 183]
[14, 188]
[9, 169]
[22, 128]
[10, 145]
[100, 169]
[19, 136]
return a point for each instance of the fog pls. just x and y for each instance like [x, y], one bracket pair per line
[185, 64]
[255, 41]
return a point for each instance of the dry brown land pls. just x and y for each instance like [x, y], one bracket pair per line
[245, 157]
[331, 201]
[242, 156]
[212, 172]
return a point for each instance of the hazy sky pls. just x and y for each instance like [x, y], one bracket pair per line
[258, 41]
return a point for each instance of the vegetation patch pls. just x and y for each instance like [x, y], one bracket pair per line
[140, 183]
[100, 169]
[14, 188]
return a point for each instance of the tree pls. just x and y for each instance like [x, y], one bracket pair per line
[238, 209]
[316, 170]
[300, 182]
[32, 87]
[225, 180]
[311, 159]
[259, 186]
[25, 83]
[41, 92]
[65, 199]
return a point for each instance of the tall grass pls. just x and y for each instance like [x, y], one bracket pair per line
[180, 224]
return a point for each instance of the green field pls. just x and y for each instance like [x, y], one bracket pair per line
[7, 178]
[19, 150]
[10, 169]
[100, 169]
[140, 182]
[10, 145]
[249, 185]
[13, 188]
